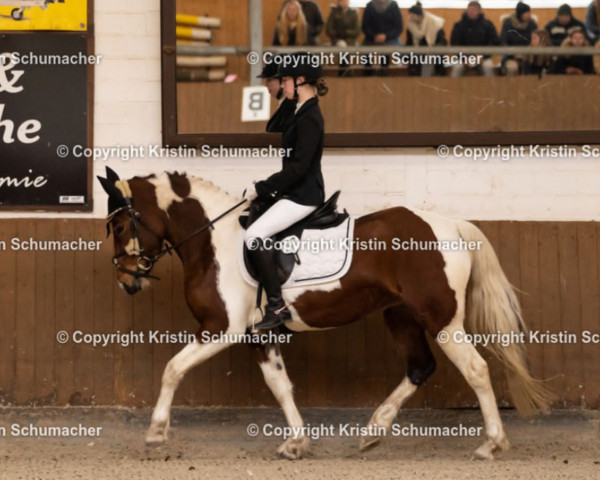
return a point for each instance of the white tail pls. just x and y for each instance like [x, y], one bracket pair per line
[493, 307]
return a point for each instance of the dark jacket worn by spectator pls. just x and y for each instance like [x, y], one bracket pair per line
[585, 63]
[474, 33]
[382, 18]
[343, 25]
[314, 20]
[517, 32]
[592, 21]
[558, 32]
[292, 38]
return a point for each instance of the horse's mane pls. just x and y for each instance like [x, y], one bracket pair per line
[191, 178]
[197, 185]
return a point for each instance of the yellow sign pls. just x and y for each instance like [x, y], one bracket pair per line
[66, 15]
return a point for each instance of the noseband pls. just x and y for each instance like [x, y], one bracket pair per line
[145, 262]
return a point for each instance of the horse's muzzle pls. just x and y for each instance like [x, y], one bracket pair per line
[132, 289]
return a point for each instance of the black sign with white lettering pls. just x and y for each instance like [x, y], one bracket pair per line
[43, 116]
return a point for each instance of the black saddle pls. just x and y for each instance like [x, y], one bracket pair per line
[324, 217]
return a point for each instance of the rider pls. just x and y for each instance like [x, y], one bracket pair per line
[298, 189]
[286, 108]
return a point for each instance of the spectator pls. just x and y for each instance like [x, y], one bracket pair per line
[313, 17]
[342, 25]
[343, 29]
[474, 30]
[592, 21]
[597, 60]
[425, 29]
[291, 26]
[382, 24]
[575, 64]
[562, 25]
[539, 64]
[516, 31]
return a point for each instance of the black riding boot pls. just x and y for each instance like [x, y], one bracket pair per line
[276, 313]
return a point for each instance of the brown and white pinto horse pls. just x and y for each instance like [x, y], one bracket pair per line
[420, 292]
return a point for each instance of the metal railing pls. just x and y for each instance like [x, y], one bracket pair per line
[437, 50]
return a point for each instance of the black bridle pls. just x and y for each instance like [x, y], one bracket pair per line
[145, 262]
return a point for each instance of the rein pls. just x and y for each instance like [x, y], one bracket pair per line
[145, 263]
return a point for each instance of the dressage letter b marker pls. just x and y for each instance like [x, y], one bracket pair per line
[256, 101]
[255, 104]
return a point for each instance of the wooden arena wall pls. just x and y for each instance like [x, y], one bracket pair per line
[403, 104]
[555, 264]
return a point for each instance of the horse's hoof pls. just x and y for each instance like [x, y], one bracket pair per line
[483, 453]
[486, 451]
[293, 448]
[482, 456]
[155, 440]
[368, 443]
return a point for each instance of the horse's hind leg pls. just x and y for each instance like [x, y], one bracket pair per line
[475, 370]
[420, 364]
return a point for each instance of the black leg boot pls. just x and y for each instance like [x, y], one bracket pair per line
[276, 312]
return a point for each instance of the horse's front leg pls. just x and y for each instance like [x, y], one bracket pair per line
[276, 377]
[192, 354]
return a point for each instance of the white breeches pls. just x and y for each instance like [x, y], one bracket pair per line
[280, 216]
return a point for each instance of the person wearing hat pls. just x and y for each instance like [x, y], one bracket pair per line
[298, 189]
[516, 32]
[564, 23]
[426, 30]
[286, 108]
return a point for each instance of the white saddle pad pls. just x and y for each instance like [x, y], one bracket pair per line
[325, 255]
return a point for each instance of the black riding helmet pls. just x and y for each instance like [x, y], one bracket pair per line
[270, 71]
[300, 64]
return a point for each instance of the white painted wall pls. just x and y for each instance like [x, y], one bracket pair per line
[128, 111]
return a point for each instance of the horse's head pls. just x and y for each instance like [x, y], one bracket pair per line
[138, 229]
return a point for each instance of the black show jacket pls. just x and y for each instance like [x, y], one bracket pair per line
[282, 116]
[300, 179]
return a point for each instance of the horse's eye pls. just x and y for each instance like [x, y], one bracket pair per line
[119, 229]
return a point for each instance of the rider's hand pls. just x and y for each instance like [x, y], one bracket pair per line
[264, 190]
[250, 192]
